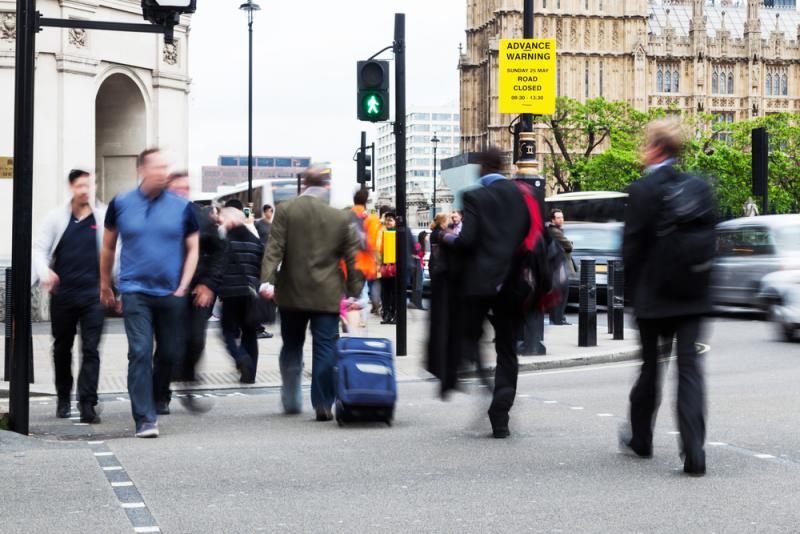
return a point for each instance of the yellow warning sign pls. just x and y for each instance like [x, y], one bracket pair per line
[6, 167]
[528, 76]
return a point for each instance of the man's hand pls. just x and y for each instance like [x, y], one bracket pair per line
[354, 305]
[180, 292]
[107, 297]
[203, 296]
[51, 282]
[267, 291]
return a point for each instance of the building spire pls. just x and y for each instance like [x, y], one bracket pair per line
[753, 24]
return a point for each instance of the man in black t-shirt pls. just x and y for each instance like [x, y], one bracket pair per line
[66, 262]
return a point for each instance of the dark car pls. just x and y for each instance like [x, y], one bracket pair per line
[598, 241]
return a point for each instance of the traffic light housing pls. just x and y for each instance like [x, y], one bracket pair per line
[364, 170]
[373, 90]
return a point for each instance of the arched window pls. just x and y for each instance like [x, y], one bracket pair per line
[776, 85]
[667, 81]
[730, 83]
[675, 80]
[784, 85]
[659, 82]
[714, 84]
[769, 85]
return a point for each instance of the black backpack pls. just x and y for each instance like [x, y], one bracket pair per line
[685, 241]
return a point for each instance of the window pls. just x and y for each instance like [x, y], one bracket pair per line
[721, 124]
[442, 117]
[229, 161]
[747, 241]
[283, 162]
[667, 78]
[558, 79]
[722, 80]
[769, 85]
[784, 85]
[776, 82]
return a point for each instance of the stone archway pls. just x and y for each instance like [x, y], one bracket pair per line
[120, 134]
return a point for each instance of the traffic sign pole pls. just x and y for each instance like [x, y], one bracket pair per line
[400, 178]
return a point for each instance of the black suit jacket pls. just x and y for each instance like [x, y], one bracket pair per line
[496, 221]
[641, 257]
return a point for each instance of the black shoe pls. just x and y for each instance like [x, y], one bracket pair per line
[88, 413]
[247, 373]
[565, 323]
[324, 414]
[626, 446]
[265, 335]
[162, 407]
[694, 470]
[63, 410]
[501, 432]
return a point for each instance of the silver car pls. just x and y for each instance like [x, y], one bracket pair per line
[780, 296]
[748, 249]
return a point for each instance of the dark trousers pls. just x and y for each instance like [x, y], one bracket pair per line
[646, 395]
[241, 338]
[66, 313]
[507, 321]
[558, 313]
[416, 286]
[324, 333]
[146, 317]
[388, 298]
[196, 327]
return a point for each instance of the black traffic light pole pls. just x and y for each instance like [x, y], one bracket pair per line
[361, 160]
[760, 166]
[29, 22]
[400, 178]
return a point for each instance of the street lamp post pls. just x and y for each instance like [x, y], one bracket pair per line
[435, 140]
[250, 7]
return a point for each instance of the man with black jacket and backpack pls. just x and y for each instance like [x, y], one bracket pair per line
[491, 253]
[668, 250]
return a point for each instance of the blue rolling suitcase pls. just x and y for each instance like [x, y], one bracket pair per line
[366, 386]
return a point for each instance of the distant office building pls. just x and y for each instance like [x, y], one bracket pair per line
[232, 170]
[422, 124]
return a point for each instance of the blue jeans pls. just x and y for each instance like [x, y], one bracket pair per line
[324, 333]
[147, 316]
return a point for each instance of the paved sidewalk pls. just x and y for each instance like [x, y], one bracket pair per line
[218, 372]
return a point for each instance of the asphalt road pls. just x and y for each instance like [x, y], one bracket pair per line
[245, 467]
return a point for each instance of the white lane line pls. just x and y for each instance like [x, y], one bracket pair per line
[764, 456]
[576, 407]
[605, 415]
[550, 402]
[75, 418]
[113, 468]
[146, 529]
[121, 484]
[132, 504]
[717, 443]
[121, 399]
[95, 442]
[104, 454]
[595, 367]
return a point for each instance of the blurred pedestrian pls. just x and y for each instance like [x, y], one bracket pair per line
[159, 252]
[239, 293]
[418, 256]
[308, 287]
[388, 248]
[456, 221]
[564, 253]
[368, 227]
[264, 224]
[203, 289]
[668, 249]
[490, 249]
[66, 262]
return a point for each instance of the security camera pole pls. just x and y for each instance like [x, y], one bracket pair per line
[29, 22]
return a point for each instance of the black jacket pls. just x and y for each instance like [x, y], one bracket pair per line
[243, 266]
[211, 263]
[496, 221]
[640, 256]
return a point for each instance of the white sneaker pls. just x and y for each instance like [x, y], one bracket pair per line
[147, 430]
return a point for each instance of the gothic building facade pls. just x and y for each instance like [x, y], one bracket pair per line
[736, 59]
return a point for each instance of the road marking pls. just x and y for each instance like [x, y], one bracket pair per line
[95, 442]
[717, 443]
[550, 402]
[80, 424]
[576, 407]
[702, 348]
[764, 456]
[605, 415]
[123, 399]
[146, 529]
[595, 367]
[104, 454]
[132, 504]
[113, 468]
[125, 484]
[524, 396]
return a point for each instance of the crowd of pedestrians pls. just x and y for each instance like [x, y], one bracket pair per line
[163, 261]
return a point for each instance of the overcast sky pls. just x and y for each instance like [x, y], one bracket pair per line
[305, 54]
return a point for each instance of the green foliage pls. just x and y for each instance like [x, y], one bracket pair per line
[594, 146]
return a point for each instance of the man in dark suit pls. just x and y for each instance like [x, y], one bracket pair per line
[496, 221]
[662, 313]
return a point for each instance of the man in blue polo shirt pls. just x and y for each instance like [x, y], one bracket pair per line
[160, 248]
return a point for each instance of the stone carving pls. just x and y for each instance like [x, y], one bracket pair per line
[573, 32]
[601, 33]
[77, 37]
[560, 33]
[8, 26]
[615, 34]
[587, 35]
[171, 53]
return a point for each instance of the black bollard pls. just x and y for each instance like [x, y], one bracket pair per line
[9, 327]
[610, 295]
[532, 335]
[619, 300]
[587, 314]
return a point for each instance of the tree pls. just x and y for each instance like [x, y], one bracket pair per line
[579, 133]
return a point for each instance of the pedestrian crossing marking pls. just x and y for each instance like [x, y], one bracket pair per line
[121, 484]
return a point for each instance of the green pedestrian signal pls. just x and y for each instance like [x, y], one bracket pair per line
[373, 90]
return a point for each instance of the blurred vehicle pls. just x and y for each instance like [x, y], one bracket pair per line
[748, 249]
[599, 241]
[426, 276]
[588, 206]
[779, 295]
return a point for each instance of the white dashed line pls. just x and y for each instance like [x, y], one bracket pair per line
[550, 402]
[764, 456]
[523, 396]
[146, 529]
[717, 443]
[132, 504]
[104, 454]
[605, 415]
[80, 424]
[113, 468]
[95, 442]
[121, 484]
[576, 407]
